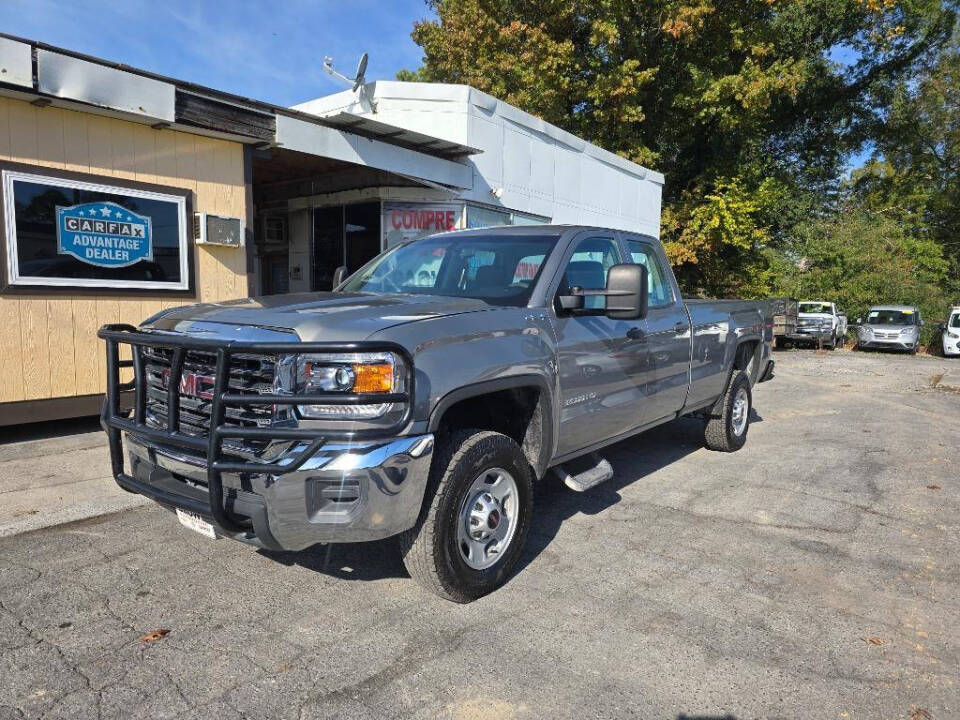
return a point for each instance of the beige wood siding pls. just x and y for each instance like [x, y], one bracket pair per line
[48, 343]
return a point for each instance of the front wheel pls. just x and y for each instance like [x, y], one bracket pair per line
[475, 516]
[727, 431]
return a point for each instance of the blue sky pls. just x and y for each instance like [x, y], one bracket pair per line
[268, 51]
[265, 50]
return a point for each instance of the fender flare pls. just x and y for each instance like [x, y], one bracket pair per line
[741, 341]
[485, 387]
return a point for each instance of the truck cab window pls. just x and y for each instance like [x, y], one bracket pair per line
[588, 267]
[643, 254]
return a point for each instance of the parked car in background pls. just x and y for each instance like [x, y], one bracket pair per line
[890, 327]
[784, 311]
[427, 409]
[951, 333]
[819, 321]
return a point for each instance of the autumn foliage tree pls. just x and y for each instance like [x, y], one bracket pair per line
[737, 102]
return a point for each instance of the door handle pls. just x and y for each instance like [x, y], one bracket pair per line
[635, 333]
[680, 327]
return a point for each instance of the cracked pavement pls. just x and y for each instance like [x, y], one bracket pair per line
[813, 574]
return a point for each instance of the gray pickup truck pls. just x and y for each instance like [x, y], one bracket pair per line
[426, 396]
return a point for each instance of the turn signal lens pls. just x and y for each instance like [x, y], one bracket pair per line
[373, 378]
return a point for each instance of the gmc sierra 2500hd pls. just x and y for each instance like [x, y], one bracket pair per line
[426, 395]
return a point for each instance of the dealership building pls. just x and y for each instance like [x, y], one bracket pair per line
[123, 192]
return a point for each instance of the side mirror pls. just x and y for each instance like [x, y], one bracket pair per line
[627, 292]
[339, 275]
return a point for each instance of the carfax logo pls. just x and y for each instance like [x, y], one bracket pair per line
[103, 234]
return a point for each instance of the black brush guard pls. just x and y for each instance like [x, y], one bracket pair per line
[116, 421]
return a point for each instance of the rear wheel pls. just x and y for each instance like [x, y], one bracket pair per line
[727, 431]
[475, 518]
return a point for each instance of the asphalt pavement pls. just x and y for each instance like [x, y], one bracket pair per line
[813, 574]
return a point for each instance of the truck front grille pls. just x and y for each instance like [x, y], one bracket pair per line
[249, 374]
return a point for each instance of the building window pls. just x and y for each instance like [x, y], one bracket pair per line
[81, 231]
[481, 217]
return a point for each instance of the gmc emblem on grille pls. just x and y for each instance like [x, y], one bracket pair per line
[192, 384]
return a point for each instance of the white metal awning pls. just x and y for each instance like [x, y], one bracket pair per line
[369, 127]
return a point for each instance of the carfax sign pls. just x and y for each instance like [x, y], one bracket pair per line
[103, 234]
[66, 230]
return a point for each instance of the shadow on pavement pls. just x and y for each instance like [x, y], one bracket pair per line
[633, 461]
[377, 560]
[51, 429]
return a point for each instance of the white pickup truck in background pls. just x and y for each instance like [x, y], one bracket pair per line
[819, 321]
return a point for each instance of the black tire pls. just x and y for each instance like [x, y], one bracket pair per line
[720, 433]
[779, 343]
[431, 549]
[832, 345]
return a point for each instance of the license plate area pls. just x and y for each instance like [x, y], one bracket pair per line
[196, 523]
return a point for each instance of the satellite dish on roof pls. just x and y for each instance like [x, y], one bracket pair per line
[361, 72]
[356, 82]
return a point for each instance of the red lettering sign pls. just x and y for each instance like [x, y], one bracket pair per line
[423, 219]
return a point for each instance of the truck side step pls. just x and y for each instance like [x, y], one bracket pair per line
[599, 471]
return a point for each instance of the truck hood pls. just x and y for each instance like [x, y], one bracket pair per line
[814, 316]
[321, 316]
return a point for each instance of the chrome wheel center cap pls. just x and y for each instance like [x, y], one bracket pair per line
[484, 516]
[488, 518]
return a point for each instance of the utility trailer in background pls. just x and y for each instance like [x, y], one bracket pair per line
[784, 311]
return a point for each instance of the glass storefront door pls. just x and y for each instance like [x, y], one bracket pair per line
[343, 235]
[362, 233]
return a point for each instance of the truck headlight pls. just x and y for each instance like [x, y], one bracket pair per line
[380, 373]
[953, 336]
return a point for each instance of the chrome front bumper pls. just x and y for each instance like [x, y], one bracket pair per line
[886, 344]
[810, 334]
[345, 492]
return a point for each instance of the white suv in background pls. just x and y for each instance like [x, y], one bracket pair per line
[951, 333]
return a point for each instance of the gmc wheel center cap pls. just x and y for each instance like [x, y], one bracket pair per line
[493, 519]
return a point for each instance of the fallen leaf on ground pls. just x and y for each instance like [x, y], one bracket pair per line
[933, 487]
[873, 640]
[155, 635]
[920, 714]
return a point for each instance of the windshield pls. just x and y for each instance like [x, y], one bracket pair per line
[892, 317]
[500, 269]
[955, 320]
[815, 307]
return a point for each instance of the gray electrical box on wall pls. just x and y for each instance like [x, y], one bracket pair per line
[216, 230]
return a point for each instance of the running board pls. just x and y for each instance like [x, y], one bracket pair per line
[591, 477]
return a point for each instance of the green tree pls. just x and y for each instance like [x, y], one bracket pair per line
[736, 102]
[858, 258]
[914, 174]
